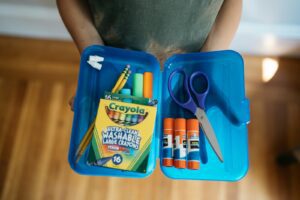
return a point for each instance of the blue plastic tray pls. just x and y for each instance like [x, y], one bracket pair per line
[226, 106]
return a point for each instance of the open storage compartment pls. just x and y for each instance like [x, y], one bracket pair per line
[226, 107]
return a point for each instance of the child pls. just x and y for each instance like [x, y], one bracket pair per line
[160, 27]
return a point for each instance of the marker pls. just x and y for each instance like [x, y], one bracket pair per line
[137, 85]
[148, 84]
[116, 116]
[140, 118]
[193, 157]
[128, 119]
[111, 114]
[134, 119]
[168, 142]
[126, 91]
[180, 143]
[122, 117]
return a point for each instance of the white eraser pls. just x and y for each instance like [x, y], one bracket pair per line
[95, 65]
[93, 61]
[96, 58]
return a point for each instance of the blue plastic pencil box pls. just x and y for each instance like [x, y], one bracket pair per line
[226, 107]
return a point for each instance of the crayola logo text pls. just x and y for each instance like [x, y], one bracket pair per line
[127, 109]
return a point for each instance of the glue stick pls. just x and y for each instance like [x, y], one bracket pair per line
[180, 143]
[168, 142]
[193, 157]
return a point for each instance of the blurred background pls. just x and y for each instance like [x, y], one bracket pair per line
[38, 74]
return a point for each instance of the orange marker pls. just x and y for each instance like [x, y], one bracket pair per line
[168, 142]
[193, 157]
[116, 116]
[111, 114]
[180, 143]
[148, 85]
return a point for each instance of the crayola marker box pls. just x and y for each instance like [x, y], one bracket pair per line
[120, 143]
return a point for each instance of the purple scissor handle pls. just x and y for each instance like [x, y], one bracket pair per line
[201, 95]
[190, 104]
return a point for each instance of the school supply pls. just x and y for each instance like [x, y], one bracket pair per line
[126, 91]
[95, 61]
[138, 85]
[148, 85]
[180, 143]
[84, 142]
[167, 153]
[193, 153]
[128, 147]
[133, 99]
[191, 105]
[88, 135]
[120, 79]
[124, 119]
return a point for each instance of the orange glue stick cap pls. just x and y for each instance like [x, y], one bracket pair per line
[168, 125]
[192, 125]
[180, 124]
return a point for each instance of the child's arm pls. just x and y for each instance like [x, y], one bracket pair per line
[78, 20]
[224, 27]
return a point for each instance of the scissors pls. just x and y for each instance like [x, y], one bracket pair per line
[190, 104]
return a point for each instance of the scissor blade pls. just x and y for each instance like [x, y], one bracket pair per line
[209, 132]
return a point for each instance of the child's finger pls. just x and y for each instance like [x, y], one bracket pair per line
[71, 103]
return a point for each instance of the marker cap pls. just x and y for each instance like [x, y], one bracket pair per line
[126, 91]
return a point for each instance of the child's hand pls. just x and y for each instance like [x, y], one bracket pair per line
[78, 20]
[71, 102]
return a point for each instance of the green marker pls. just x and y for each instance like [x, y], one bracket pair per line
[138, 80]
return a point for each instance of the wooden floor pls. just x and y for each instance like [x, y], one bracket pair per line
[38, 77]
